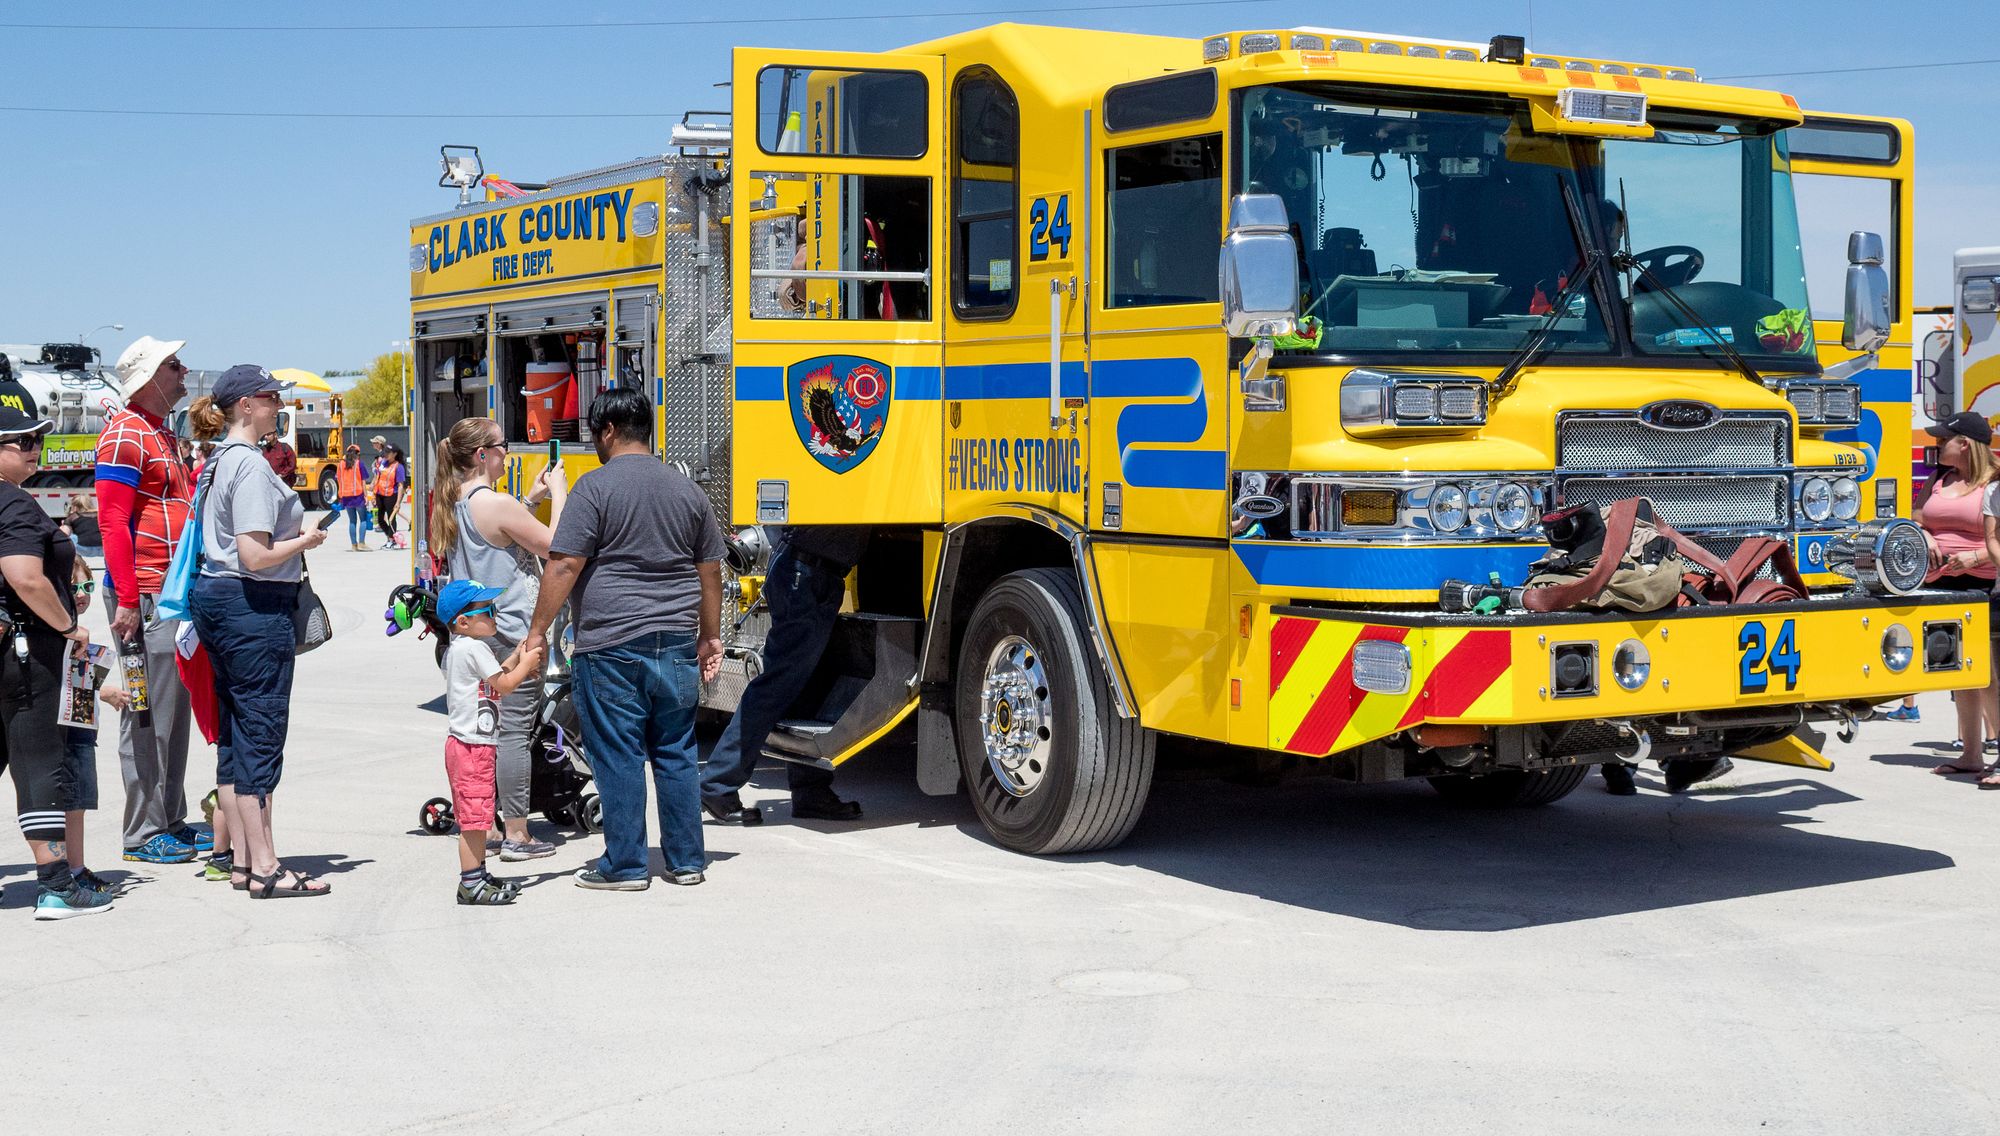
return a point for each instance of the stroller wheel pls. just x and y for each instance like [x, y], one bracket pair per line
[590, 813]
[436, 817]
[561, 818]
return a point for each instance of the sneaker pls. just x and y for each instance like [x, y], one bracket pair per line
[687, 877]
[67, 904]
[85, 878]
[529, 849]
[488, 892]
[162, 849]
[216, 873]
[1903, 714]
[199, 838]
[596, 880]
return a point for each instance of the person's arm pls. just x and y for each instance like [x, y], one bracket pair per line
[24, 575]
[513, 520]
[117, 485]
[558, 580]
[708, 641]
[258, 551]
[519, 667]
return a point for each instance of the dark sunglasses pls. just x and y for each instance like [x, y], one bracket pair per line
[27, 444]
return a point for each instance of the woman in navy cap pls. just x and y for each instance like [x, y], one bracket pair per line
[252, 537]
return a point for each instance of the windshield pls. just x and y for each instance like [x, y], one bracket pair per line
[1709, 212]
[1438, 224]
[1425, 227]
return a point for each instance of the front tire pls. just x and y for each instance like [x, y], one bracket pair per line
[1051, 766]
[1518, 788]
[329, 491]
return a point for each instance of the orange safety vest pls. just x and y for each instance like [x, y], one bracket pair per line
[351, 479]
[385, 480]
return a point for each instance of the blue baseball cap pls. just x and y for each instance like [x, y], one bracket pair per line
[462, 594]
[242, 381]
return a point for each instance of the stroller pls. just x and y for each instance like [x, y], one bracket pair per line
[559, 784]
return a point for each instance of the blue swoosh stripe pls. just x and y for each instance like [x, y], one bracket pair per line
[974, 382]
[1381, 567]
[1885, 384]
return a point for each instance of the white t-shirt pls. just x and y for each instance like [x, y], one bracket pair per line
[469, 701]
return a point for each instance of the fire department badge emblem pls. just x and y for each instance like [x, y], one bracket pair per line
[840, 404]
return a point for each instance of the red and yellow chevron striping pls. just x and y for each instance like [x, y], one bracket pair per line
[1315, 708]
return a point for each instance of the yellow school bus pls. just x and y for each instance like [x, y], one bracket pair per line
[1203, 389]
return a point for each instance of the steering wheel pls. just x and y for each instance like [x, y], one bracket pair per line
[1674, 265]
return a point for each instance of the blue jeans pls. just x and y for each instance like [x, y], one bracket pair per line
[636, 702]
[247, 627]
[356, 509]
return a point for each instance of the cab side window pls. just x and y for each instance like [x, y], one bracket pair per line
[985, 185]
[1163, 209]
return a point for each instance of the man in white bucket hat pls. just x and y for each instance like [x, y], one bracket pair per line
[144, 495]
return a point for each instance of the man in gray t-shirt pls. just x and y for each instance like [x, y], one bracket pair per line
[640, 547]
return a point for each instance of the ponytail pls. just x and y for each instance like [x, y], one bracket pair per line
[207, 419]
[466, 437]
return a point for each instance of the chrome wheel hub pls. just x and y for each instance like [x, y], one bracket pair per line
[1015, 722]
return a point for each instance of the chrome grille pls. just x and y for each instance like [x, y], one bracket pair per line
[1694, 502]
[1592, 442]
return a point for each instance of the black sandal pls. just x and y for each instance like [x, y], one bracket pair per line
[271, 888]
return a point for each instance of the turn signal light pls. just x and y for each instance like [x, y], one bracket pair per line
[1368, 507]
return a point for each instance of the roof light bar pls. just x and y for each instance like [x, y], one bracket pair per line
[1509, 50]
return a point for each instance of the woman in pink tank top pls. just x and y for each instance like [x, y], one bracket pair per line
[1954, 522]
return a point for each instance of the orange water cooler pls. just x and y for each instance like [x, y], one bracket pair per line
[550, 391]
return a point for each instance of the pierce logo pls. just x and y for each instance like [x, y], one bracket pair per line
[1679, 414]
[840, 405]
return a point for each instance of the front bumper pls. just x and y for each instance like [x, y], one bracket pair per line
[1519, 668]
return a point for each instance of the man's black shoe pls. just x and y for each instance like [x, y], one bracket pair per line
[732, 810]
[1683, 772]
[827, 807]
[1618, 779]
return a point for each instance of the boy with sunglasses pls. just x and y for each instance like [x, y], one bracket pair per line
[474, 684]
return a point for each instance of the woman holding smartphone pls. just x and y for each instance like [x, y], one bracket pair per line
[485, 535]
[253, 540]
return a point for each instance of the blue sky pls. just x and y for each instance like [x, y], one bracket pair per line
[282, 240]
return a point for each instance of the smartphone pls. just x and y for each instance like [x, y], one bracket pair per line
[332, 515]
[555, 453]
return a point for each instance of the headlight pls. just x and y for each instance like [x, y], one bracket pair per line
[1887, 557]
[1846, 499]
[1840, 404]
[1513, 507]
[1415, 403]
[1804, 400]
[1377, 403]
[1815, 499]
[1447, 508]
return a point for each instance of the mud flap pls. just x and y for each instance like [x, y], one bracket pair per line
[937, 745]
[1801, 748]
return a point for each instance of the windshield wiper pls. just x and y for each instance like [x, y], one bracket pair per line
[1625, 261]
[1559, 307]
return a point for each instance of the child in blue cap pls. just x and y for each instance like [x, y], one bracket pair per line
[474, 684]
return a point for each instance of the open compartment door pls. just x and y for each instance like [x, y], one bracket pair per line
[836, 213]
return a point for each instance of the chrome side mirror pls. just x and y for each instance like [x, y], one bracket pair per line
[1259, 269]
[1865, 324]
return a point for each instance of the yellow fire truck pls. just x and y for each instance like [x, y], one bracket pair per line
[1216, 389]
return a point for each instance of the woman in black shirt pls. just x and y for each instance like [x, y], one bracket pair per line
[37, 563]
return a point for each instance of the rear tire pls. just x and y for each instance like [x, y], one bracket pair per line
[1050, 765]
[329, 490]
[1519, 788]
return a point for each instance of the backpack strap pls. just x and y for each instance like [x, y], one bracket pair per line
[1617, 539]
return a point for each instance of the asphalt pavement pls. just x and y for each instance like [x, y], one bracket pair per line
[1778, 952]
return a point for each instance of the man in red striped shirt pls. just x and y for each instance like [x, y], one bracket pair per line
[144, 495]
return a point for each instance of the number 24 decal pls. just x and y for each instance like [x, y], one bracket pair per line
[1047, 228]
[1760, 662]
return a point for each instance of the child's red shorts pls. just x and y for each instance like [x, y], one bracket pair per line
[470, 770]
